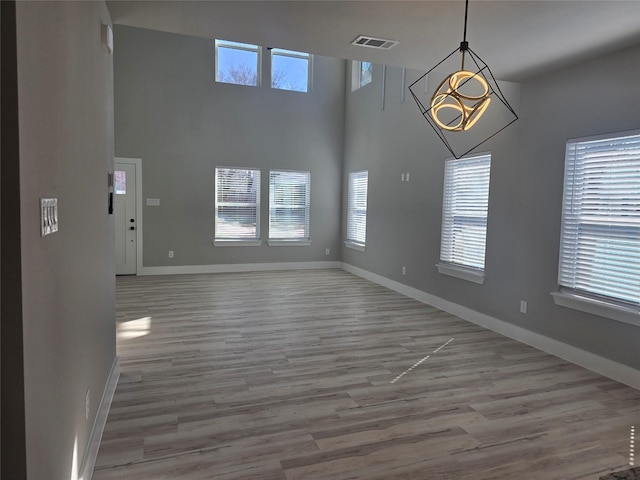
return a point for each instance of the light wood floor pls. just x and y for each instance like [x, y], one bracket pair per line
[299, 375]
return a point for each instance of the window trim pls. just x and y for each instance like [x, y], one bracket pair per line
[293, 54]
[236, 241]
[238, 46]
[221, 242]
[602, 308]
[303, 241]
[606, 307]
[354, 246]
[289, 243]
[459, 270]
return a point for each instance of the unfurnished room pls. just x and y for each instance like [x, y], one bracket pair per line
[251, 240]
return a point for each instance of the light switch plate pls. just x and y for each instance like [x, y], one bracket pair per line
[48, 216]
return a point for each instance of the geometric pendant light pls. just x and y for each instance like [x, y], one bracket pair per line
[465, 100]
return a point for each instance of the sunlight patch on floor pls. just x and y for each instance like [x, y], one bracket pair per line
[134, 328]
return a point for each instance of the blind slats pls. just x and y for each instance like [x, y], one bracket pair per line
[464, 211]
[600, 240]
[289, 199]
[237, 204]
[357, 207]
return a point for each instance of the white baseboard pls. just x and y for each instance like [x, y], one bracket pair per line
[93, 445]
[601, 365]
[238, 267]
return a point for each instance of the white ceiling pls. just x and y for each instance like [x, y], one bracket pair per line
[516, 38]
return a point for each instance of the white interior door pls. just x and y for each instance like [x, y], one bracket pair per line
[126, 222]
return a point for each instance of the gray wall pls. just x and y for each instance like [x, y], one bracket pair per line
[65, 105]
[170, 112]
[403, 226]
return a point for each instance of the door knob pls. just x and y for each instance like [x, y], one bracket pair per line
[131, 220]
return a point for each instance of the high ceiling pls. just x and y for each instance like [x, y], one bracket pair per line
[517, 38]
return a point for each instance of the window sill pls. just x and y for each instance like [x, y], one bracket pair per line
[289, 243]
[463, 273]
[597, 307]
[237, 243]
[354, 246]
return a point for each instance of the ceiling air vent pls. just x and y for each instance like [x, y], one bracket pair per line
[373, 42]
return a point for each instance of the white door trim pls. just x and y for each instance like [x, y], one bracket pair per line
[138, 164]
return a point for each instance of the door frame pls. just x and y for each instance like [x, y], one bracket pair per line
[137, 162]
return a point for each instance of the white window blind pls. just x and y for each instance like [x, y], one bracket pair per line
[600, 240]
[237, 204]
[357, 208]
[289, 205]
[464, 211]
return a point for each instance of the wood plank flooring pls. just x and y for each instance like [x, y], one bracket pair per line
[288, 375]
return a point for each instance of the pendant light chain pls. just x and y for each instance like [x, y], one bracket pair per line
[466, 15]
[464, 46]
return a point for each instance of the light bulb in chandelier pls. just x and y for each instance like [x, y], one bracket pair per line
[460, 101]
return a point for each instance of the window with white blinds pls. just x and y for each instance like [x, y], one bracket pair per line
[600, 240]
[237, 204]
[289, 205]
[464, 211]
[357, 208]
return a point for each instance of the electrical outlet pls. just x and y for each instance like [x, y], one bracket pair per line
[404, 270]
[327, 251]
[523, 306]
[87, 405]
[170, 253]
